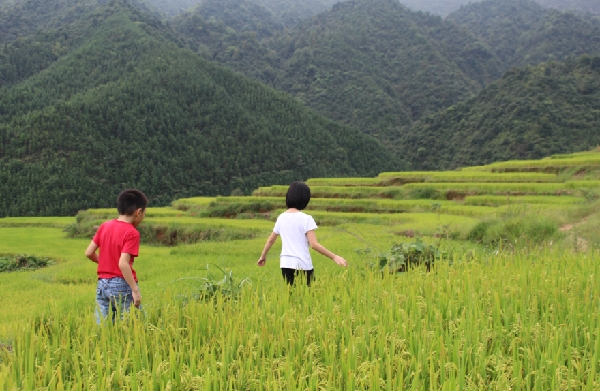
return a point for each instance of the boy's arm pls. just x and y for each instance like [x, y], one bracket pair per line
[91, 252]
[128, 276]
[314, 244]
[270, 242]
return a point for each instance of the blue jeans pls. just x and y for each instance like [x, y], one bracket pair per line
[113, 296]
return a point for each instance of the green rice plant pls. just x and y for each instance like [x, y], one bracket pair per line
[485, 322]
[511, 231]
[107, 213]
[345, 182]
[195, 203]
[528, 177]
[51, 222]
[591, 160]
[492, 200]
[498, 188]
[472, 175]
[336, 192]
[408, 174]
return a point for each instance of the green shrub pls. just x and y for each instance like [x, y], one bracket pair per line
[9, 263]
[223, 283]
[425, 193]
[479, 232]
[405, 256]
[528, 229]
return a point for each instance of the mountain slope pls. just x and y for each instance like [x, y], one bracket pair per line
[377, 66]
[530, 113]
[523, 32]
[23, 18]
[446, 7]
[129, 108]
[370, 64]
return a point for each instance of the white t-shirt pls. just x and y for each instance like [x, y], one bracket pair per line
[294, 251]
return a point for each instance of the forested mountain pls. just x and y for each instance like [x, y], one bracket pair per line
[21, 18]
[287, 12]
[126, 106]
[446, 7]
[532, 112]
[591, 6]
[375, 65]
[523, 32]
[371, 64]
[290, 12]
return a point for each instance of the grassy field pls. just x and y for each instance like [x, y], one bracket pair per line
[514, 304]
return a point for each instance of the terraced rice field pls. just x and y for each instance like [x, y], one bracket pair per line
[489, 317]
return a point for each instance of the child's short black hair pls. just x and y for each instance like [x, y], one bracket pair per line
[131, 200]
[298, 196]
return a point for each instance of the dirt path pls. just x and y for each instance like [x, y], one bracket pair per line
[581, 244]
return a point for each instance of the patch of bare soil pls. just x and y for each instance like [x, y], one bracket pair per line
[581, 245]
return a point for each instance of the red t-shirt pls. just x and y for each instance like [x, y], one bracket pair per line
[115, 238]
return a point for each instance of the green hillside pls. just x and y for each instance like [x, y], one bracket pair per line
[531, 112]
[522, 32]
[21, 18]
[591, 6]
[373, 65]
[446, 7]
[379, 67]
[128, 107]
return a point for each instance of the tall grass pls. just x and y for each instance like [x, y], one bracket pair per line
[491, 200]
[467, 176]
[525, 321]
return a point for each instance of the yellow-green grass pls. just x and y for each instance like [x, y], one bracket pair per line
[427, 224]
[345, 182]
[57, 222]
[374, 205]
[473, 176]
[330, 191]
[520, 321]
[25, 293]
[150, 212]
[500, 188]
[210, 222]
[193, 202]
[492, 200]
[585, 160]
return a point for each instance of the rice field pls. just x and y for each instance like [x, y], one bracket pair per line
[588, 159]
[491, 200]
[521, 321]
[509, 317]
[468, 176]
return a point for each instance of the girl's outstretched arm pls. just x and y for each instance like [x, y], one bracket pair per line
[270, 242]
[315, 245]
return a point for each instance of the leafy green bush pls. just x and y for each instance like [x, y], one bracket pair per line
[528, 229]
[9, 263]
[405, 256]
[223, 284]
[425, 193]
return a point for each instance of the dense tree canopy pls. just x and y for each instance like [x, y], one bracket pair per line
[373, 65]
[445, 7]
[522, 32]
[532, 112]
[127, 107]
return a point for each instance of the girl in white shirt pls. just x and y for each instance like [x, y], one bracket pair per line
[297, 230]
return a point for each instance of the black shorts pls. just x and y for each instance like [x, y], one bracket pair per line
[290, 274]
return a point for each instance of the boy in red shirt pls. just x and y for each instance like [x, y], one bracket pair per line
[119, 243]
